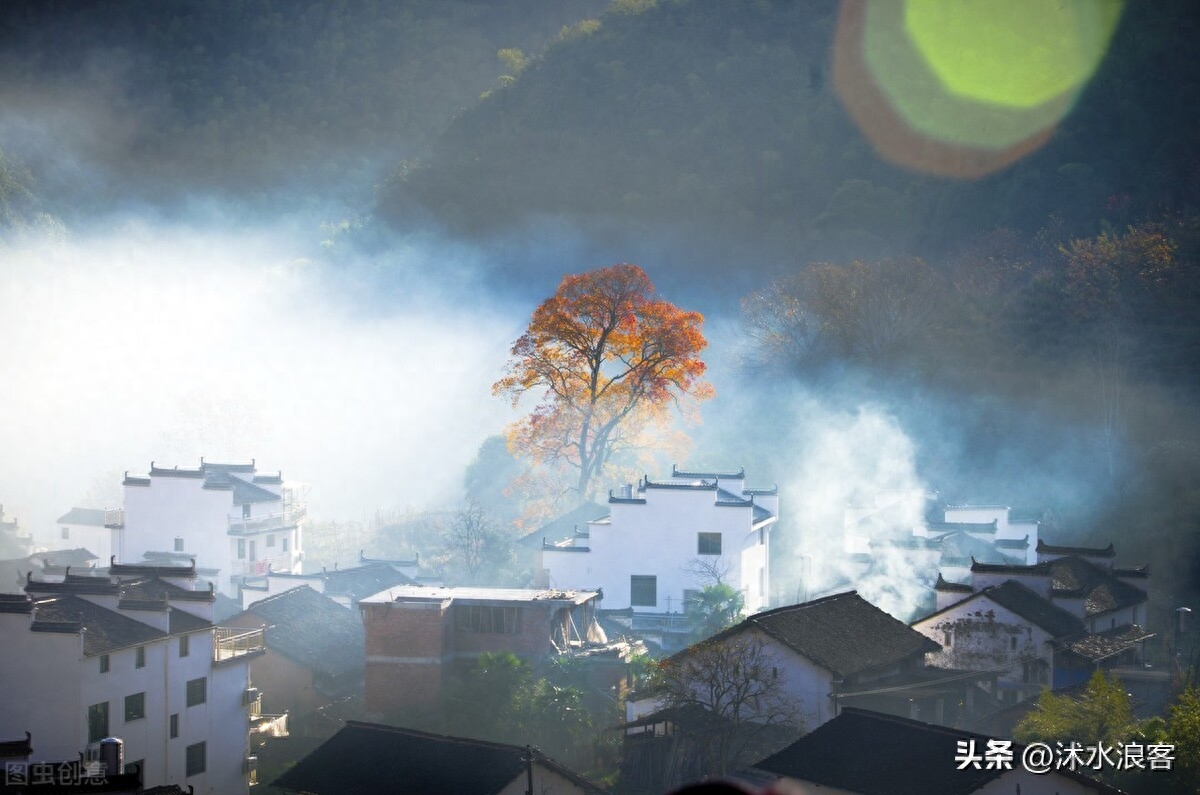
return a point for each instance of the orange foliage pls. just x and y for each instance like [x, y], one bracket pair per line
[609, 360]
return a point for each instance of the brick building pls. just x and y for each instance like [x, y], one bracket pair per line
[417, 637]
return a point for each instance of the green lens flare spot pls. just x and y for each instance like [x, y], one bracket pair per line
[1016, 53]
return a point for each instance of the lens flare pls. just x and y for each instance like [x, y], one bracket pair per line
[963, 89]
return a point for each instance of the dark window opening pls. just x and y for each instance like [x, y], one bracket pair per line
[197, 691]
[195, 760]
[643, 590]
[708, 544]
[489, 619]
[139, 657]
[97, 717]
[135, 707]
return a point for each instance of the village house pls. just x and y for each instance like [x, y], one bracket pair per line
[234, 521]
[315, 650]
[86, 528]
[662, 541]
[132, 655]
[346, 586]
[1047, 624]
[12, 543]
[835, 651]
[370, 759]
[868, 753]
[418, 637]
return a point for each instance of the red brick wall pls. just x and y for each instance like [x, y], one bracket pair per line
[405, 648]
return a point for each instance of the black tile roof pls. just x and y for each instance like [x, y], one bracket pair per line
[1100, 590]
[564, 526]
[369, 759]
[244, 493]
[356, 582]
[875, 754]
[943, 584]
[1101, 645]
[16, 749]
[312, 630]
[843, 633]
[68, 557]
[151, 570]
[1031, 570]
[676, 472]
[1034, 608]
[88, 516]
[1091, 552]
[153, 588]
[107, 630]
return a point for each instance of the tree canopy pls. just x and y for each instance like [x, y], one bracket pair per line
[608, 360]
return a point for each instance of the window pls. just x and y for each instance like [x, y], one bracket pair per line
[105, 663]
[197, 691]
[1012, 643]
[271, 540]
[97, 718]
[174, 725]
[195, 760]
[134, 767]
[139, 657]
[66, 532]
[246, 511]
[285, 543]
[708, 544]
[241, 549]
[643, 590]
[253, 553]
[135, 707]
[486, 618]
[948, 638]
[184, 645]
[691, 600]
[178, 544]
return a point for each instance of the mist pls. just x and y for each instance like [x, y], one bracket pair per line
[145, 341]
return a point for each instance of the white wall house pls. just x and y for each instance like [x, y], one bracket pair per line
[86, 528]
[825, 654]
[664, 539]
[134, 656]
[232, 520]
[1050, 623]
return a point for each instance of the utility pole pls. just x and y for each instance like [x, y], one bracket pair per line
[529, 769]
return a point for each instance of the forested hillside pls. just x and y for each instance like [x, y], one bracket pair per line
[111, 100]
[719, 119]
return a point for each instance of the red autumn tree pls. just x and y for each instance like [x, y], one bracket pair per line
[609, 359]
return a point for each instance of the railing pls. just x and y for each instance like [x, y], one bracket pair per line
[258, 568]
[269, 725]
[114, 517]
[660, 621]
[252, 525]
[232, 642]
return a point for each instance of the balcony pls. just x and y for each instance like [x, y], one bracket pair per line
[263, 726]
[272, 522]
[231, 643]
[114, 518]
[258, 568]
